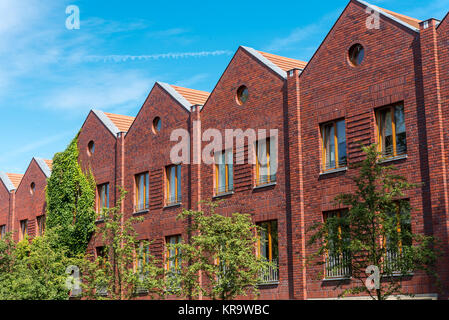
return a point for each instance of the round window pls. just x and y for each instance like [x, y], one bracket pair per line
[91, 148]
[32, 188]
[242, 95]
[157, 125]
[356, 54]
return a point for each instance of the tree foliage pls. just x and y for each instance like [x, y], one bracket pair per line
[375, 230]
[33, 270]
[222, 249]
[125, 268]
[70, 196]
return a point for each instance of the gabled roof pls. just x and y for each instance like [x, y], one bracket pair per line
[194, 97]
[278, 64]
[15, 179]
[284, 63]
[123, 123]
[408, 22]
[10, 180]
[184, 96]
[45, 165]
[115, 123]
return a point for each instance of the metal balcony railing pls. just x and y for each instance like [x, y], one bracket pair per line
[391, 260]
[223, 189]
[141, 207]
[265, 179]
[270, 275]
[173, 200]
[338, 266]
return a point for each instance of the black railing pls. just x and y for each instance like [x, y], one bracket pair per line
[338, 265]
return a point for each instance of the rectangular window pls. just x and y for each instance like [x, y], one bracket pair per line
[398, 238]
[2, 231]
[142, 256]
[40, 225]
[266, 161]
[173, 258]
[142, 192]
[103, 198]
[173, 184]
[267, 248]
[338, 260]
[23, 229]
[333, 137]
[224, 175]
[391, 133]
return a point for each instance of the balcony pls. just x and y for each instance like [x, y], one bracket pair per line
[265, 180]
[223, 190]
[270, 275]
[338, 266]
[141, 207]
[172, 201]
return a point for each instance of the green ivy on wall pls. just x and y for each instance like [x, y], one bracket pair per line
[70, 198]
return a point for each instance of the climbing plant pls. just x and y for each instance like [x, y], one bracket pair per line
[70, 198]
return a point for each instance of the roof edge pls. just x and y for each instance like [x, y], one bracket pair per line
[106, 121]
[379, 10]
[44, 167]
[175, 94]
[265, 61]
[6, 181]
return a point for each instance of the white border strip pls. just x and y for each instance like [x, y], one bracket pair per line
[175, 94]
[43, 166]
[377, 9]
[106, 121]
[265, 61]
[8, 184]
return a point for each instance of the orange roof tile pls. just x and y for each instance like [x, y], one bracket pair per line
[49, 163]
[411, 21]
[195, 97]
[15, 178]
[123, 123]
[284, 63]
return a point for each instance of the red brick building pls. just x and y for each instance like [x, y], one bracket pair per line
[378, 77]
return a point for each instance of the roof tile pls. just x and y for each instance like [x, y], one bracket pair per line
[15, 178]
[123, 123]
[284, 63]
[195, 97]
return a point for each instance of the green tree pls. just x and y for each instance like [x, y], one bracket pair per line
[125, 268]
[70, 196]
[222, 249]
[375, 230]
[33, 270]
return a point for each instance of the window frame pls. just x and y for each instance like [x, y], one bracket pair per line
[270, 178]
[23, 229]
[177, 183]
[146, 191]
[40, 225]
[269, 231]
[2, 231]
[392, 109]
[229, 171]
[323, 127]
[177, 259]
[100, 200]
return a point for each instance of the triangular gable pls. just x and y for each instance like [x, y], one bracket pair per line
[268, 63]
[43, 164]
[175, 95]
[106, 121]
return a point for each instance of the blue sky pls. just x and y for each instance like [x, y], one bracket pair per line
[50, 77]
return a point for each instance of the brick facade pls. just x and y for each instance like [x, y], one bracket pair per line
[404, 63]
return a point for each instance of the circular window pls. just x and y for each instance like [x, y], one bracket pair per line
[356, 54]
[242, 95]
[91, 148]
[32, 188]
[157, 125]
